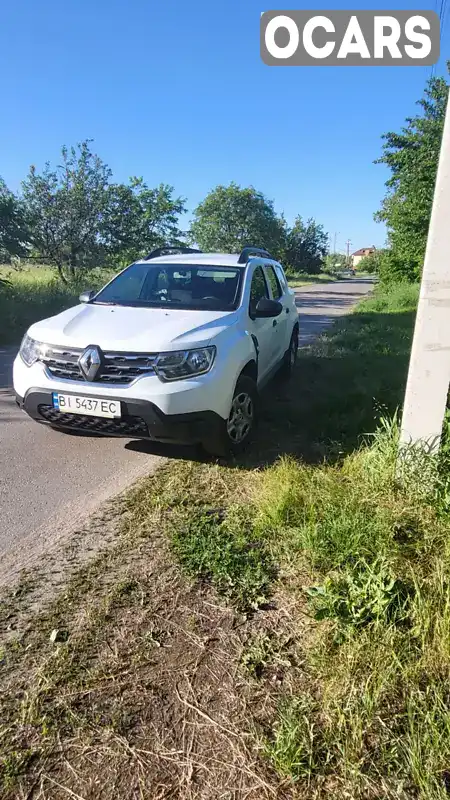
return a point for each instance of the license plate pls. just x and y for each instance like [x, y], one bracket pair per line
[91, 406]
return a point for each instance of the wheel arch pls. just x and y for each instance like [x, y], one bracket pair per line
[250, 370]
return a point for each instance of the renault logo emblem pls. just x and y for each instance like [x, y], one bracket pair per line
[89, 362]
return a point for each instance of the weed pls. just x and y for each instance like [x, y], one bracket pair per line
[15, 764]
[227, 552]
[264, 654]
[258, 654]
[367, 593]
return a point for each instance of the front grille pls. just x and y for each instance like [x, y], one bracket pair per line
[121, 368]
[126, 426]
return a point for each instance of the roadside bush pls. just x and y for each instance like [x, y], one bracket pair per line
[389, 267]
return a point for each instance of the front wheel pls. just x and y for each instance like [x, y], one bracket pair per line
[235, 432]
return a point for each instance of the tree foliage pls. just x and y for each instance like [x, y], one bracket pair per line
[139, 219]
[65, 207]
[231, 217]
[13, 230]
[306, 247]
[74, 216]
[371, 262]
[78, 218]
[335, 262]
[412, 157]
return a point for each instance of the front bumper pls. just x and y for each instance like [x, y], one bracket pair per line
[140, 419]
[210, 392]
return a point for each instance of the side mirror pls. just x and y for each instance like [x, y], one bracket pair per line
[86, 297]
[268, 308]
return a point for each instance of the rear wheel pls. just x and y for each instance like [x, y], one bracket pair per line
[235, 432]
[290, 356]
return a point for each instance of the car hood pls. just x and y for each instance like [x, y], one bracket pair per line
[131, 329]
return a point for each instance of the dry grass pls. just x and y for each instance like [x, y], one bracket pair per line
[140, 700]
[143, 699]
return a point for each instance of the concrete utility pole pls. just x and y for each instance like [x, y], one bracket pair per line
[429, 369]
[348, 243]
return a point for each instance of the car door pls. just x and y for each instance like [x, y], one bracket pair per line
[263, 330]
[288, 299]
[284, 322]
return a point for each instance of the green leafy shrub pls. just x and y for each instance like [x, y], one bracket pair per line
[365, 594]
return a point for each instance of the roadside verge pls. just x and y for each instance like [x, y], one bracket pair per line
[275, 628]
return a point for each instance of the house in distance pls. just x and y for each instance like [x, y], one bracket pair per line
[359, 254]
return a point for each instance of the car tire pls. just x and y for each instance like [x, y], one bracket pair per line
[290, 356]
[234, 434]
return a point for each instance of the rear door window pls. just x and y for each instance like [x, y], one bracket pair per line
[281, 277]
[274, 283]
[258, 289]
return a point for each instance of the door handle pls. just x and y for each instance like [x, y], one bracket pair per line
[274, 323]
[287, 310]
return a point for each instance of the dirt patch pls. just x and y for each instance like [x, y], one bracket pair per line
[36, 588]
[148, 697]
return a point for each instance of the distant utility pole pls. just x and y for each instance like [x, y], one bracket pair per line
[429, 369]
[348, 243]
[335, 241]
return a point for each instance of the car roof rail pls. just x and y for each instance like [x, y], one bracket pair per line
[169, 249]
[249, 252]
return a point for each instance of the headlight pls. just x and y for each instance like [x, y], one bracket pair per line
[30, 350]
[184, 363]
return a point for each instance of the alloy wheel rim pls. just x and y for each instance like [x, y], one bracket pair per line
[240, 420]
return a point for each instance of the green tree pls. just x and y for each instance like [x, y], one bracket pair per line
[13, 230]
[335, 262]
[306, 247]
[412, 157]
[138, 219]
[65, 208]
[231, 217]
[370, 263]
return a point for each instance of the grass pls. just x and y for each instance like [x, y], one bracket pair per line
[36, 292]
[277, 627]
[304, 279]
[367, 714]
[227, 551]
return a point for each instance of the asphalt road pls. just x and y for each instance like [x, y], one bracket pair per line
[50, 482]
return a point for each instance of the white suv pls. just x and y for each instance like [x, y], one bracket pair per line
[174, 348]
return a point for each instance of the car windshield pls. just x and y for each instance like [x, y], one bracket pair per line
[174, 286]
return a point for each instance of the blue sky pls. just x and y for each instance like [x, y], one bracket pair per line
[177, 92]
